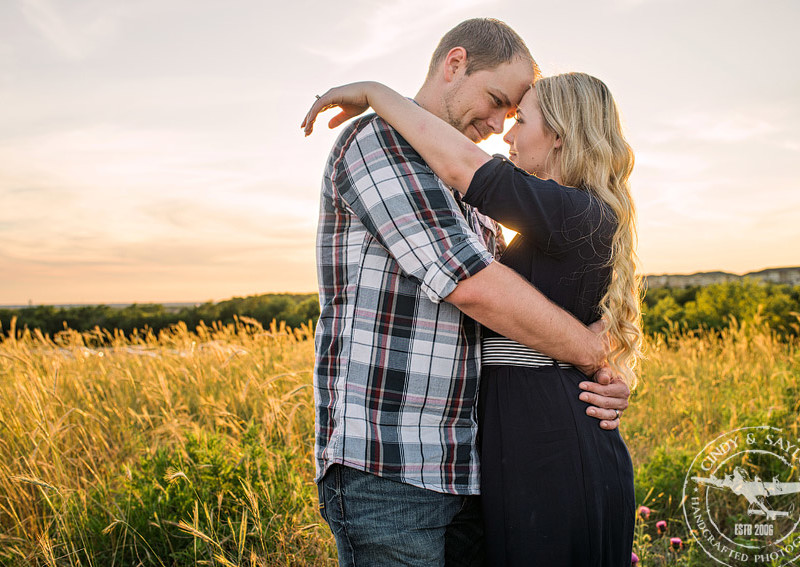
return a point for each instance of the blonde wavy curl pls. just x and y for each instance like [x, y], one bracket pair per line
[595, 156]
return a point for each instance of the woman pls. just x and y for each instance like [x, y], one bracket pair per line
[556, 489]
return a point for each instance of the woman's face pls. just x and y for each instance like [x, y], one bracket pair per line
[530, 141]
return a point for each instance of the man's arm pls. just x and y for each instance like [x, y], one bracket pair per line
[532, 319]
[500, 299]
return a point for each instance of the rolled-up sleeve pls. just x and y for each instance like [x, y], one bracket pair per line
[405, 207]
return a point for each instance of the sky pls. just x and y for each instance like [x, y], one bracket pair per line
[150, 150]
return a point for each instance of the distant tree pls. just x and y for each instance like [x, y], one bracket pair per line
[715, 304]
[303, 312]
[712, 306]
[708, 307]
[656, 319]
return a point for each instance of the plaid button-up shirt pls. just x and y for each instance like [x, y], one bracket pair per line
[396, 373]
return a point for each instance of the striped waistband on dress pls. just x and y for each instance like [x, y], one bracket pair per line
[500, 351]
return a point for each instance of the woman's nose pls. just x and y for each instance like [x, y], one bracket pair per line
[509, 137]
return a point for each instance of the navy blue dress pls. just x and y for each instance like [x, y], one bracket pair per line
[557, 490]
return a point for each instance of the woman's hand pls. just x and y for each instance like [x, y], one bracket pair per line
[447, 151]
[352, 99]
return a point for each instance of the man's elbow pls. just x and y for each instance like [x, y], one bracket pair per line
[468, 294]
[459, 296]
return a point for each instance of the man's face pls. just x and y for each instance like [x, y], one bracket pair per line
[478, 104]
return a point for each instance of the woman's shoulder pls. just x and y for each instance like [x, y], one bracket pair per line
[500, 165]
[558, 216]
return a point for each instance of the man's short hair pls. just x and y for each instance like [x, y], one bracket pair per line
[488, 42]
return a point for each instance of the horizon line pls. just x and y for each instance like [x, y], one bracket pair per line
[201, 302]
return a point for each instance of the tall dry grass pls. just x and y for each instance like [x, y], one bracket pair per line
[695, 386]
[220, 419]
[195, 448]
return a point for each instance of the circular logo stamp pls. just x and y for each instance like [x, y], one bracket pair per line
[741, 498]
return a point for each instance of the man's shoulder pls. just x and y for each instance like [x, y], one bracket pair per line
[370, 138]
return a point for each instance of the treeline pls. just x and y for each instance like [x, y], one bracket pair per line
[665, 310]
[293, 309]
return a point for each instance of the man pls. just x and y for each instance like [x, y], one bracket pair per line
[405, 271]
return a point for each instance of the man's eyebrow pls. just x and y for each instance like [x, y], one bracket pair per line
[502, 96]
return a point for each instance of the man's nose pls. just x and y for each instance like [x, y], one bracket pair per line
[496, 122]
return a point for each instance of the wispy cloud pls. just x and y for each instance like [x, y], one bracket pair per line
[629, 4]
[73, 29]
[170, 137]
[84, 195]
[677, 163]
[729, 127]
[791, 145]
[158, 271]
[382, 28]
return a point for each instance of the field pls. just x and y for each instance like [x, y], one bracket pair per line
[195, 448]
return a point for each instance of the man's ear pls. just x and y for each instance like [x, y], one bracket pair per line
[455, 63]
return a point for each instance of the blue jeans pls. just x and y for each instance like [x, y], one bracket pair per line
[379, 522]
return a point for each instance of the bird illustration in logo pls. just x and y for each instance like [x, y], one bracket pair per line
[756, 491]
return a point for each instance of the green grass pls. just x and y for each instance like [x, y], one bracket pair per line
[195, 448]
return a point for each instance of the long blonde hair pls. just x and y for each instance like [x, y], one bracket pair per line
[595, 156]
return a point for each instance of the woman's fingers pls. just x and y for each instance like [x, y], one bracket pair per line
[350, 99]
[320, 104]
[311, 116]
[339, 119]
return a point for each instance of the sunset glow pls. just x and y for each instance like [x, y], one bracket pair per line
[151, 151]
